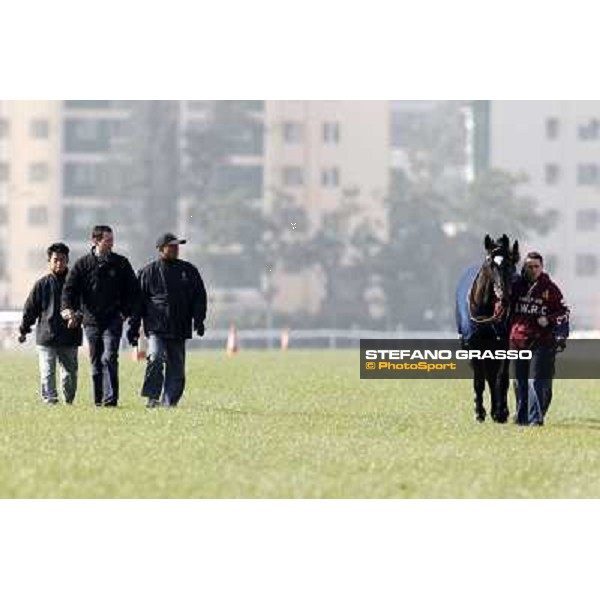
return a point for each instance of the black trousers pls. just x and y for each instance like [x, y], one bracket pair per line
[104, 342]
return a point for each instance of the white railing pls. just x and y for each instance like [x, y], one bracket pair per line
[269, 338]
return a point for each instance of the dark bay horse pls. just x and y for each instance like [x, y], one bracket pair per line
[482, 313]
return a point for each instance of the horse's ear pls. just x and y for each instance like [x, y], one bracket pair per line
[504, 241]
[516, 255]
[487, 242]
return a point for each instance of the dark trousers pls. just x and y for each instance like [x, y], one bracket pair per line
[534, 386]
[104, 342]
[165, 370]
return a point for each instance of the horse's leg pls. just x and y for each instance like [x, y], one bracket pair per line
[503, 382]
[498, 390]
[491, 374]
[478, 387]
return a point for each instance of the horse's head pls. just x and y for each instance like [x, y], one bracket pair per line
[490, 295]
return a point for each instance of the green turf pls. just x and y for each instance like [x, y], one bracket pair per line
[289, 425]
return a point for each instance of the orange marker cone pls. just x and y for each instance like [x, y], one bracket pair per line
[232, 346]
[285, 339]
[139, 351]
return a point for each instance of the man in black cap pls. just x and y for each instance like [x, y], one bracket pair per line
[172, 297]
[103, 284]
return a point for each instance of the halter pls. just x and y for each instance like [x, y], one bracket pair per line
[499, 311]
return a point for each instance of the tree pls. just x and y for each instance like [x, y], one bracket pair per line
[239, 240]
[437, 220]
[141, 174]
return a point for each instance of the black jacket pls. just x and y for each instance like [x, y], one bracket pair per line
[43, 305]
[101, 288]
[172, 295]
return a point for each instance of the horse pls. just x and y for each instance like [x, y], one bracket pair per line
[482, 315]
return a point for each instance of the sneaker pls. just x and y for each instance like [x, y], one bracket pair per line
[152, 403]
[50, 400]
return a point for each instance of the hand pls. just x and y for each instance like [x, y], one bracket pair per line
[561, 344]
[133, 337]
[543, 322]
[200, 329]
[67, 314]
[22, 337]
[73, 322]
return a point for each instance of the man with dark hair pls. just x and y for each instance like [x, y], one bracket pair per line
[56, 339]
[539, 323]
[172, 296]
[103, 284]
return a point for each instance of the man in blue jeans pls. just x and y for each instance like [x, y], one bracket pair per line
[172, 298]
[57, 340]
[103, 284]
[539, 323]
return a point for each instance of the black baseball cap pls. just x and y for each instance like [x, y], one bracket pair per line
[167, 239]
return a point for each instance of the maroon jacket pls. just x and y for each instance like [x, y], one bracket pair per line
[530, 301]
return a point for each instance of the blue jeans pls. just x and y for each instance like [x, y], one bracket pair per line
[104, 345]
[165, 368]
[67, 359]
[534, 385]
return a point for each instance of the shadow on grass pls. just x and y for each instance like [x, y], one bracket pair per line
[578, 424]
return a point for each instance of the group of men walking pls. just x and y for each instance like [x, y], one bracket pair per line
[99, 294]
[168, 297]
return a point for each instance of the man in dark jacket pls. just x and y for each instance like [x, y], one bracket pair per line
[103, 284]
[172, 297]
[56, 339]
[539, 323]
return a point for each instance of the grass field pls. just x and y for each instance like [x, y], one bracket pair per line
[289, 425]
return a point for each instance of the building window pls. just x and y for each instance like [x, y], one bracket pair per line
[293, 132]
[589, 130]
[552, 128]
[38, 172]
[3, 214]
[586, 265]
[78, 220]
[331, 132]
[552, 174]
[4, 171]
[37, 215]
[80, 179]
[293, 176]
[586, 219]
[39, 128]
[87, 135]
[330, 178]
[3, 128]
[588, 174]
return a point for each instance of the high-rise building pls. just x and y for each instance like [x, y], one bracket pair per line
[30, 198]
[56, 173]
[318, 151]
[556, 144]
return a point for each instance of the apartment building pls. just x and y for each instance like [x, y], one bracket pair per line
[30, 193]
[55, 183]
[557, 145]
[318, 151]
